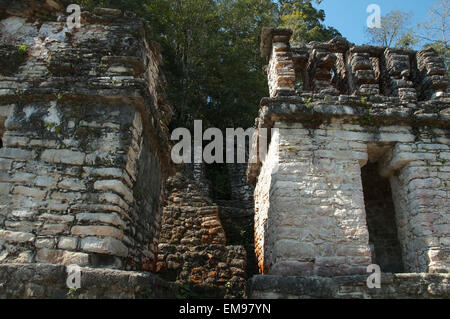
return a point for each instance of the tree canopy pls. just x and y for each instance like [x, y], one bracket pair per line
[211, 51]
[392, 31]
[433, 32]
[305, 21]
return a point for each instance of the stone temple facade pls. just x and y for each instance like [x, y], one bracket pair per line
[83, 124]
[358, 164]
[357, 171]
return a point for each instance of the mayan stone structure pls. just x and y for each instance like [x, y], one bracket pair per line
[193, 249]
[357, 171]
[85, 153]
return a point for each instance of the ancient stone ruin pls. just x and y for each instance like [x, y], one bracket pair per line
[357, 171]
[84, 154]
[194, 249]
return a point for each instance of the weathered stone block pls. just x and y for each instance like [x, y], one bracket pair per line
[45, 243]
[5, 164]
[68, 243]
[16, 237]
[116, 186]
[111, 218]
[15, 154]
[109, 246]
[53, 229]
[63, 157]
[105, 231]
[5, 188]
[63, 257]
[28, 191]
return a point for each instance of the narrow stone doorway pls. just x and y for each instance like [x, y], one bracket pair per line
[381, 221]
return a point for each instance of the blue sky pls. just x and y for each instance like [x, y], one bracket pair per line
[350, 16]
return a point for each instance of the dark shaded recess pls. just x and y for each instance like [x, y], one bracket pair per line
[380, 214]
[237, 220]
[238, 224]
[11, 58]
[104, 261]
[217, 175]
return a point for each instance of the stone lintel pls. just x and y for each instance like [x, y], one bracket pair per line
[298, 109]
[293, 109]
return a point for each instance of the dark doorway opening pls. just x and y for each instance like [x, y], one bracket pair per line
[381, 222]
[1, 135]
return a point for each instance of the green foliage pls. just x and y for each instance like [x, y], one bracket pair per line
[367, 119]
[186, 291]
[212, 58]
[407, 41]
[211, 51]
[305, 21]
[22, 49]
[124, 5]
[72, 293]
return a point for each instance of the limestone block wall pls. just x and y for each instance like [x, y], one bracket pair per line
[45, 281]
[310, 209]
[240, 189]
[316, 214]
[421, 197]
[82, 168]
[349, 105]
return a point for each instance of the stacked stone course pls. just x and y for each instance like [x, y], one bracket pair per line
[193, 250]
[45, 281]
[84, 161]
[356, 104]
[83, 121]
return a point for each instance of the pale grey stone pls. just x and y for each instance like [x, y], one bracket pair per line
[109, 246]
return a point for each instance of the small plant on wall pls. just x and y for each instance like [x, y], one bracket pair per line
[22, 49]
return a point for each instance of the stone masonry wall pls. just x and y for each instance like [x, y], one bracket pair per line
[356, 104]
[193, 250]
[310, 211]
[421, 189]
[240, 189]
[44, 281]
[85, 156]
[318, 223]
[393, 286]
